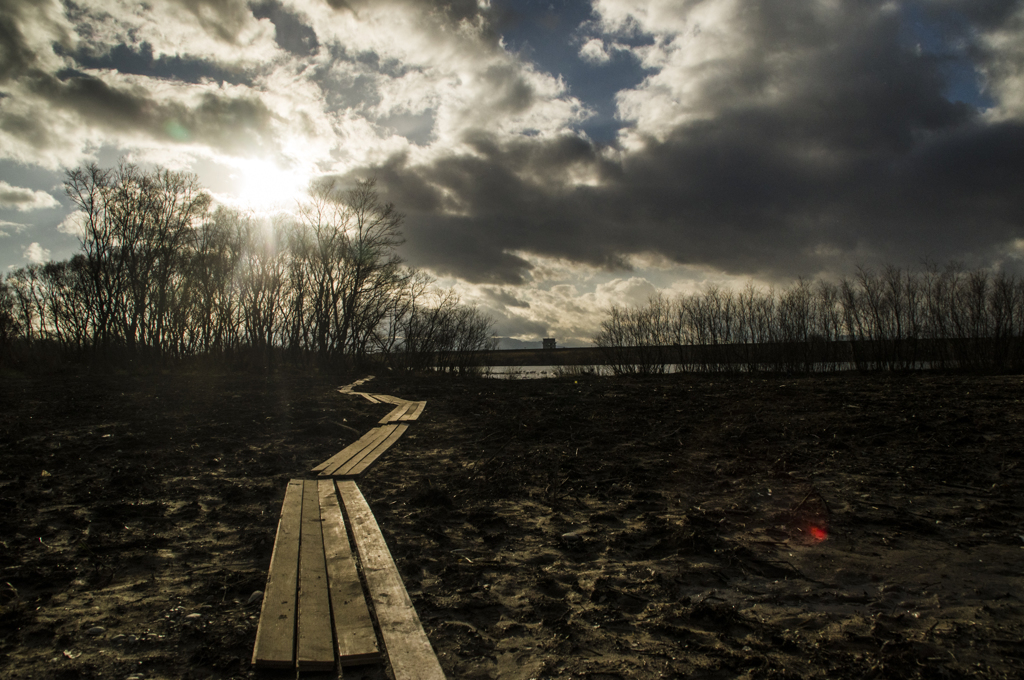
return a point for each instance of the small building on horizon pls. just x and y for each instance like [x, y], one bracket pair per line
[549, 343]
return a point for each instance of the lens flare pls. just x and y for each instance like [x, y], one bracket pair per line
[176, 131]
[817, 533]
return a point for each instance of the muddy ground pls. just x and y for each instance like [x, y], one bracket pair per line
[849, 527]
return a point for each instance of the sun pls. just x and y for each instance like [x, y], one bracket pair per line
[262, 185]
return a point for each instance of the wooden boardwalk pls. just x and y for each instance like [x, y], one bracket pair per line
[316, 614]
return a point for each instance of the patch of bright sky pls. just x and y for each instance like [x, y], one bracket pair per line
[34, 226]
[947, 39]
[551, 33]
[567, 300]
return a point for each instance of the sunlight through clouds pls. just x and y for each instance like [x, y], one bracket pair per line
[265, 187]
[546, 153]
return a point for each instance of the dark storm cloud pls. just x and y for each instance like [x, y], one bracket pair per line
[30, 129]
[17, 56]
[516, 197]
[234, 124]
[858, 155]
[23, 200]
[503, 297]
[515, 94]
[731, 194]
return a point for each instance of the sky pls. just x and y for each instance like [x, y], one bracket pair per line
[552, 158]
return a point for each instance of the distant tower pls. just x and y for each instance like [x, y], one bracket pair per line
[549, 343]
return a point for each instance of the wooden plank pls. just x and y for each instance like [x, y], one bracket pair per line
[369, 397]
[314, 647]
[356, 639]
[357, 466]
[348, 388]
[398, 412]
[275, 636]
[414, 413]
[371, 438]
[339, 461]
[408, 649]
[387, 398]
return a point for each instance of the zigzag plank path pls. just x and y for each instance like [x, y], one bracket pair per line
[315, 612]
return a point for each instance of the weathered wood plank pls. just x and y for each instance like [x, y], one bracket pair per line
[357, 466]
[275, 636]
[314, 647]
[414, 413]
[347, 389]
[340, 461]
[387, 398]
[398, 412]
[369, 397]
[356, 639]
[370, 439]
[408, 649]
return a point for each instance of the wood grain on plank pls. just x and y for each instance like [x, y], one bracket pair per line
[353, 453]
[415, 412]
[398, 412]
[275, 636]
[370, 439]
[314, 647]
[357, 467]
[356, 639]
[408, 649]
[388, 399]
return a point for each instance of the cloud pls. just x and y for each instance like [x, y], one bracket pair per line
[1001, 46]
[302, 83]
[74, 224]
[571, 312]
[757, 138]
[594, 52]
[35, 253]
[28, 30]
[23, 200]
[224, 31]
[772, 139]
[8, 228]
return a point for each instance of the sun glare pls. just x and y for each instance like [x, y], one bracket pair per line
[262, 185]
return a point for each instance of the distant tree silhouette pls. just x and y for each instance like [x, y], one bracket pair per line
[893, 320]
[162, 275]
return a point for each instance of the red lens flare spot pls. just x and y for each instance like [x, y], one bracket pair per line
[817, 533]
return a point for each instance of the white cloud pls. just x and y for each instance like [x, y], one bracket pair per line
[73, 224]
[224, 31]
[695, 44]
[562, 299]
[35, 253]
[1004, 68]
[8, 228]
[23, 200]
[457, 70]
[594, 52]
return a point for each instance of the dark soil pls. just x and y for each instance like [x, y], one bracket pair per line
[849, 527]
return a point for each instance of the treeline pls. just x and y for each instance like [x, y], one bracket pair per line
[893, 319]
[163, 276]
